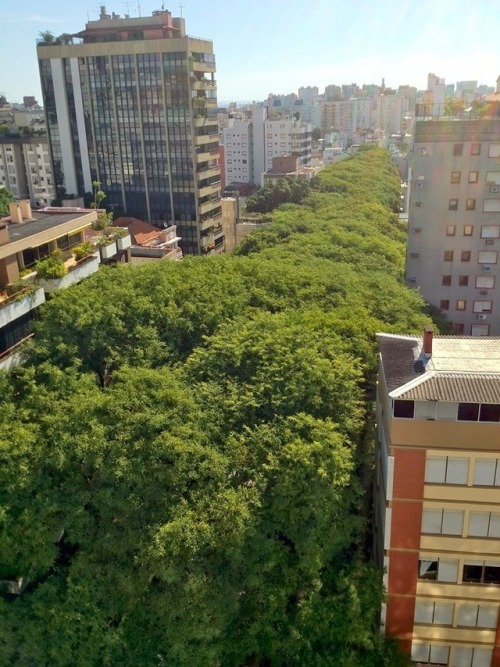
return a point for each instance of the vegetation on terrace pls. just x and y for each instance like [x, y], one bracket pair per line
[185, 450]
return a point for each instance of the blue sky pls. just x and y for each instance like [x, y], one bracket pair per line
[265, 46]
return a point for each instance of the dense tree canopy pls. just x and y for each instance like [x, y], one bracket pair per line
[5, 198]
[181, 451]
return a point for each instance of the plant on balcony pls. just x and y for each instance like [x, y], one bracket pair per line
[52, 267]
[120, 232]
[83, 250]
[106, 239]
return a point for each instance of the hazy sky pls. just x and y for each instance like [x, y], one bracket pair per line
[265, 46]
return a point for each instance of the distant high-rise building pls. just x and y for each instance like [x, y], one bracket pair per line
[131, 102]
[309, 95]
[250, 146]
[454, 221]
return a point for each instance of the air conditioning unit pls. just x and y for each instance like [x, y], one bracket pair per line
[487, 269]
[489, 242]
[412, 281]
[495, 189]
[482, 317]
[483, 292]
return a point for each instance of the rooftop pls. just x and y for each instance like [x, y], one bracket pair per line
[460, 368]
[41, 221]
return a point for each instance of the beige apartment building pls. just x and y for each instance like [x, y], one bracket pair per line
[26, 169]
[454, 221]
[437, 509]
[132, 103]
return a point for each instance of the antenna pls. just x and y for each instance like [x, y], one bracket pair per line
[139, 7]
[127, 6]
[181, 7]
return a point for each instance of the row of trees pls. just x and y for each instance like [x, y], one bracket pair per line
[182, 451]
[286, 190]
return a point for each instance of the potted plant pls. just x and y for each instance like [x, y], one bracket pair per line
[107, 246]
[82, 251]
[51, 267]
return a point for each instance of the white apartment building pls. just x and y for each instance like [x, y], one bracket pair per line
[238, 151]
[454, 221]
[389, 113]
[25, 169]
[265, 138]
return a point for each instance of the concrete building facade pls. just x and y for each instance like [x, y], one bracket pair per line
[437, 496]
[133, 105]
[26, 168]
[454, 221]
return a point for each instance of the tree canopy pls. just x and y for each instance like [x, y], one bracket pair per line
[184, 449]
[6, 197]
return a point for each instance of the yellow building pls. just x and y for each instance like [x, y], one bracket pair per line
[438, 496]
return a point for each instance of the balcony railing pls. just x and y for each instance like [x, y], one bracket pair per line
[17, 305]
[76, 273]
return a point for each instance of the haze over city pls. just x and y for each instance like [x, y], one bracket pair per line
[266, 47]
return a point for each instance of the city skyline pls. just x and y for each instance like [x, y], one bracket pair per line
[263, 48]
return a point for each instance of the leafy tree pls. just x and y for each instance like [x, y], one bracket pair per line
[316, 134]
[6, 197]
[185, 449]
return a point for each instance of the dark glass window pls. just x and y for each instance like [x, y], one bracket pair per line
[404, 409]
[446, 281]
[489, 413]
[468, 412]
[458, 149]
[428, 569]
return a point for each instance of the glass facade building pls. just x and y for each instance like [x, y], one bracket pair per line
[132, 103]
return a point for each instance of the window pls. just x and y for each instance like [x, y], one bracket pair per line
[446, 470]
[482, 307]
[470, 204]
[477, 615]
[438, 570]
[475, 149]
[442, 522]
[433, 654]
[490, 231]
[458, 149]
[463, 281]
[448, 256]
[418, 204]
[494, 150]
[468, 229]
[455, 177]
[484, 524]
[453, 205]
[472, 657]
[461, 304]
[487, 472]
[473, 176]
[444, 304]
[450, 230]
[458, 328]
[468, 412]
[446, 281]
[491, 205]
[439, 613]
[485, 282]
[414, 255]
[493, 178]
[488, 257]
[489, 412]
[477, 572]
[422, 151]
[465, 256]
[404, 409]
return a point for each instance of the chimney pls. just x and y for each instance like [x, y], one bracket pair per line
[25, 205]
[428, 333]
[15, 212]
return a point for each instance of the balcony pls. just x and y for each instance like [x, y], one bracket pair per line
[203, 121]
[209, 205]
[203, 84]
[12, 357]
[203, 67]
[212, 189]
[76, 273]
[15, 306]
[208, 172]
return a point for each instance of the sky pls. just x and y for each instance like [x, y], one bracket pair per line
[265, 46]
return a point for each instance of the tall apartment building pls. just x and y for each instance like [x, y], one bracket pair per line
[26, 169]
[454, 221]
[437, 496]
[131, 102]
[250, 146]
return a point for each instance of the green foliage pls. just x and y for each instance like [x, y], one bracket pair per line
[274, 194]
[6, 197]
[4, 129]
[83, 250]
[51, 267]
[185, 448]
